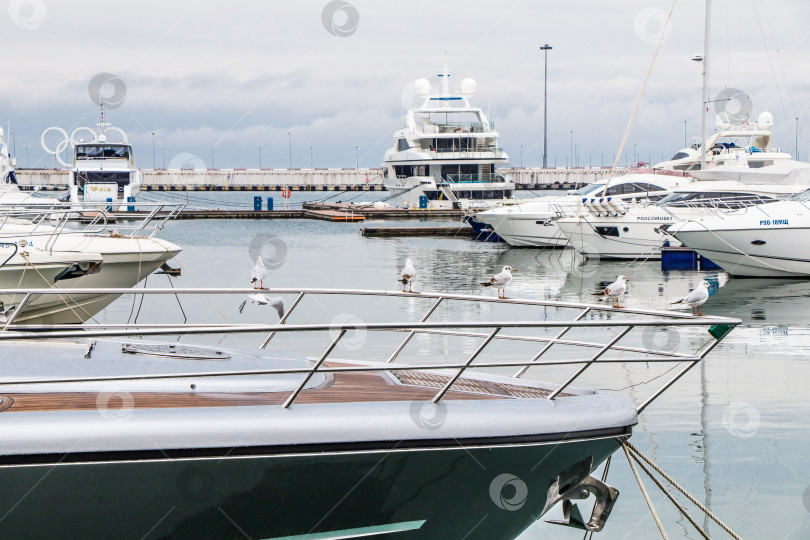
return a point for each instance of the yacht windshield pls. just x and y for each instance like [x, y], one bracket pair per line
[724, 199]
[102, 151]
[587, 189]
[803, 196]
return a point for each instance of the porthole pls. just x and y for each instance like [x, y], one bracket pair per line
[626, 229]
[758, 242]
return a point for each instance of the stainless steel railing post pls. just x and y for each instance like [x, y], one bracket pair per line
[312, 371]
[469, 361]
[412, 332]
[590, 362]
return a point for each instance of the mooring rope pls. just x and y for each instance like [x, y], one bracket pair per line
[685, 493]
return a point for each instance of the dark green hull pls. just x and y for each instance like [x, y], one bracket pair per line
[449, 490]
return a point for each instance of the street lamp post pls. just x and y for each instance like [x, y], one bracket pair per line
[164, 157]
[572, 148]
[521, 156]
[212, 157]
[154, 165]
[545, 48]
[310, 157]
[26, 157]
[357, 158]
[260, 158]
[290, 137]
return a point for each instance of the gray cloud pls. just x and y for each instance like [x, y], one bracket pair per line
[242, 75]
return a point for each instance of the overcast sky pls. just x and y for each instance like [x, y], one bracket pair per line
[239, 75]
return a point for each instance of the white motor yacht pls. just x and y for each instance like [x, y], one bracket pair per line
[533, 223]
[109, 259]
[770, 240]
[102, 170]
[446, 154]
[640, 230]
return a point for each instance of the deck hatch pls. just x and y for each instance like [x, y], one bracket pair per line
[181, 352]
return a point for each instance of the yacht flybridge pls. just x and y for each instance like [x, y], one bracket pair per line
[735, 144]
[447, 153]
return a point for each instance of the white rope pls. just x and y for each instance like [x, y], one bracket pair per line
[686, 494]
[677, 505]
[644, 492]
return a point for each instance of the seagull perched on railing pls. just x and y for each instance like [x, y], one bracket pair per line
[615, 290]
[500, 280]
[407, 276]
[262, 300]
[258, 273]
[696, 298]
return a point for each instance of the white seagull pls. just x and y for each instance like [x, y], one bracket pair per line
[407, 276]
[500, 280]
[258, 273]
[696, 298]
[615, 290]
[262, 300]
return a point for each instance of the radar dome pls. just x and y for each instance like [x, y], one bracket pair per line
[468, 86]
[764, 120]
[422, 87]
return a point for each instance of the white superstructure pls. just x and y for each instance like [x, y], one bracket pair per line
[447, 153]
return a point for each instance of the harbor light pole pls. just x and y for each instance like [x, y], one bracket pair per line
[521, 156]
[26, 157]
[153, 150]
[545, 48]
[572, 148]
[290, 136]
[164, 157]
[212, 157]
[260, 158]
[357, 158]
[310, 157]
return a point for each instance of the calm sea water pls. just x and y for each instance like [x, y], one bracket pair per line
[734, 431]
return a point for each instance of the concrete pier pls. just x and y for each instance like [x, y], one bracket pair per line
[304, 179]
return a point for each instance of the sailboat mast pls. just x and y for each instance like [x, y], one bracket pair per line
[704, 119]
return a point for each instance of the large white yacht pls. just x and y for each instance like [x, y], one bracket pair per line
[534, 223]
[102, 170]
[754, 241]
[446, 154]
[640, 230]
